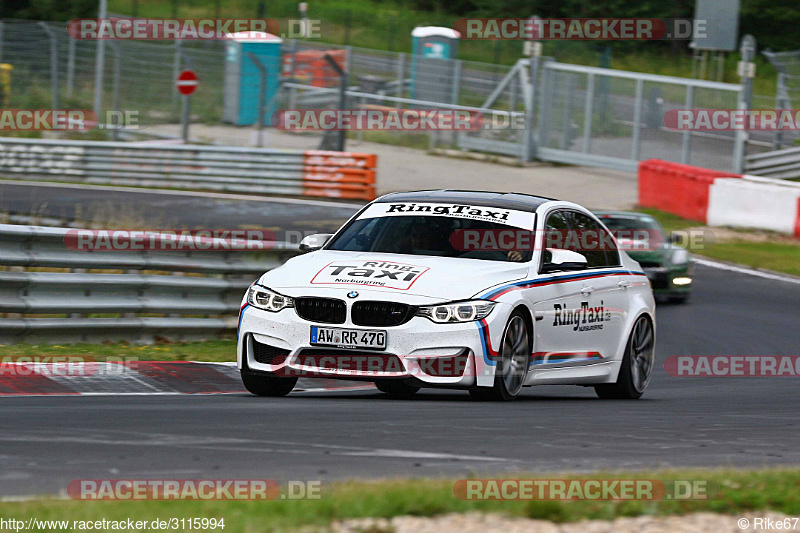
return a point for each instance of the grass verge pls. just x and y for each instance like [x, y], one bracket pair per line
[757, 249]
[734, 492]
[213, 350]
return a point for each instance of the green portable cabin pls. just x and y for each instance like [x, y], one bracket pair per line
[434, 50]
[243, 78]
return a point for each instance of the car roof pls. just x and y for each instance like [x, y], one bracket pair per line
[505, 200]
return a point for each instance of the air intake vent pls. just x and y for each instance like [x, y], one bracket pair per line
[268, 355]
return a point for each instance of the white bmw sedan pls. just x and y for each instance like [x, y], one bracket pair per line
[482, 291]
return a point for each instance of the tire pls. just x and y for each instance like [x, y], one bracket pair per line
[396, 388]
[512, 365]
[263, 385]
[637, 365]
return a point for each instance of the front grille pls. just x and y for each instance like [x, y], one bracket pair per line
[649, 264]
[326, 310]
[268, 355]
[658, 280]
[368, 313]
[353, 360]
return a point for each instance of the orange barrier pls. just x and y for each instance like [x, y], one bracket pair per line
[339, 174]
[677, 188]
[311, 68]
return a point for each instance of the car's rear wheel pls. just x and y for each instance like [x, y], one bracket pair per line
[396, 388]
[637, 364]
[263, 385]
[513, 362]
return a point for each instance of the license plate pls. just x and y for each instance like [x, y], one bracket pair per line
[374, 339]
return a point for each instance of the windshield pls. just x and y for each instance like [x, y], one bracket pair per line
[439, 236]
[616, 224]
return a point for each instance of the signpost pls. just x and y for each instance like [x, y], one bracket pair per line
[186, 85]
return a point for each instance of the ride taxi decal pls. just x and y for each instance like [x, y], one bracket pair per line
[386, 274]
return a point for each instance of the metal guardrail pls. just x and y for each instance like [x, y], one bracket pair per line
[232, 169]
[151, 283]
[781, 164]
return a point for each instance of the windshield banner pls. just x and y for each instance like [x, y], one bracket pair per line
[497, 215]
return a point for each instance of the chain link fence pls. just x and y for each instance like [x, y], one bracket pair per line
[622, 120]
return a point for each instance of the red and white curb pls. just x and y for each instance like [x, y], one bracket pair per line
[139, 378]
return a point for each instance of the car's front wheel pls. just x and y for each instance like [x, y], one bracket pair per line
[263, 385]
[513, 362]
[637, 364]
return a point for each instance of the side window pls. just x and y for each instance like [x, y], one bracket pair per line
[586, 238]
[555, 232]
[610, 246]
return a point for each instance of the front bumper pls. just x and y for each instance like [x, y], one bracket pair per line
[663, 280]
[457, 355]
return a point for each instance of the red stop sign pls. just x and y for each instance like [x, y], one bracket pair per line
[186, 82]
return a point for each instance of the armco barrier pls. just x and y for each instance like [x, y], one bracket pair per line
[141, 293]
[677, 188]
[231, 169]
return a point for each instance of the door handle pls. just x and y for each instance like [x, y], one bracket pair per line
[624, 284]
[587, 290]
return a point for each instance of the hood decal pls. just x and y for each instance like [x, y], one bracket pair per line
[375, 273]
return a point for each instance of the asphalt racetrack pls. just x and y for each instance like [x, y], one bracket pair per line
[46, 442]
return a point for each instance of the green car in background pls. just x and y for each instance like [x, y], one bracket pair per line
[668, 267]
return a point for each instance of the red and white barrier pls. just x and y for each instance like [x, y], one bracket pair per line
[720, 199]
[754, 202]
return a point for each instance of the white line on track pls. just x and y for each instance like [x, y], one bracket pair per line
[223, 196]
[412, 454]
[748, 271]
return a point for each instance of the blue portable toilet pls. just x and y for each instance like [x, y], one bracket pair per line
[243, 78]
[434, 50]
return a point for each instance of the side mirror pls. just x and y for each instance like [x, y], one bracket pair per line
[557, 260]
[312, 243]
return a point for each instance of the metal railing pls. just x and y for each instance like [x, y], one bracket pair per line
[139, 76]
[782, 164]
[123, 294]
[230, 169]
[613, 118]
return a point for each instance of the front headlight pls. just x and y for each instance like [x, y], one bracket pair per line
[268, 300]
[679, 257]
[457, 311]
